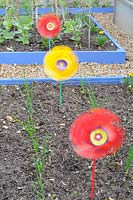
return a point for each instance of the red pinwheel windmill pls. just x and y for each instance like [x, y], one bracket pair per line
[95, 134]
[49, 25]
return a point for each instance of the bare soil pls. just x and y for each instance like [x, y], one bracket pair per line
[66, 175]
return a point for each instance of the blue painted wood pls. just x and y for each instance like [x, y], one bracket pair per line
[72, 81]
[92, 10]
[72, 10]
[22, 58]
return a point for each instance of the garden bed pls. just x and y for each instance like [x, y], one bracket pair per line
[111, 52]
[85, 69]
[66, 176]
[36, 43]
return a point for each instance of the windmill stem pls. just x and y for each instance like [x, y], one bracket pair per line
[93, 180]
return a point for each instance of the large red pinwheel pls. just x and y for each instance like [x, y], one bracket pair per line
[96, 133]
[49, 25]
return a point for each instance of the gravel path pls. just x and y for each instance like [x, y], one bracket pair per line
[85, 69]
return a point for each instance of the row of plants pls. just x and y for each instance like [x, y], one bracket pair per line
[21, 29]
[48, 3]
[16, 29]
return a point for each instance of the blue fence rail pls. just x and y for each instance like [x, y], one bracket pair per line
[72, 10]
[71, 81]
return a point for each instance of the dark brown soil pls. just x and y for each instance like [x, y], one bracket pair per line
[66, 175]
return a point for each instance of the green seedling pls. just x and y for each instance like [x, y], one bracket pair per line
[107, 3]
[6, 30]
[92, 98]
[129, 159]
[94, 28]
[83, 88]
[23, 24]
[40, 151]
[101, 40]
[95, 3]
[73, 27]
[128, 81]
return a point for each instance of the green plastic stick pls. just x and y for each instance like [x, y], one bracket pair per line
[60, 100]
[49, 43]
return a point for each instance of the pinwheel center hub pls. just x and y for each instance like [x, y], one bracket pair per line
[61, 65]
[98, 137]
[50, 26]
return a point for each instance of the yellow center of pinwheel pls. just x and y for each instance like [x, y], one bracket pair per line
[98, 137]
[50, 26]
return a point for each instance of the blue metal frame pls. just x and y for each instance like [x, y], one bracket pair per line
[71, 81]
[103, 57]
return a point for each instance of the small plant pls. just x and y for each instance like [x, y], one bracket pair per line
[23, 24]
[83, 88]
[73, 27]
[76, 4]
[101, 40]
[6, 27]
[45, 41]
[6, 32]
[2, 3]
[128, 81]
[94, 28]
[95, 3]
[129, 159]
[92, 99]
[107, 3]
[40, 151]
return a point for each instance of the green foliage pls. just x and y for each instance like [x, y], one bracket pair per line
[76, 4]
[92, 98]
[6, 26]
[40, 152]
[107, 3]
[128, 81]
[10, 11]
[101, 40]
[45, 42]
[6, 34]
[83, 88]
[23, 24]
[129, 159]
[73, 27]
[17, 29]
[95, 3]
[2, 3]
[93, 28]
